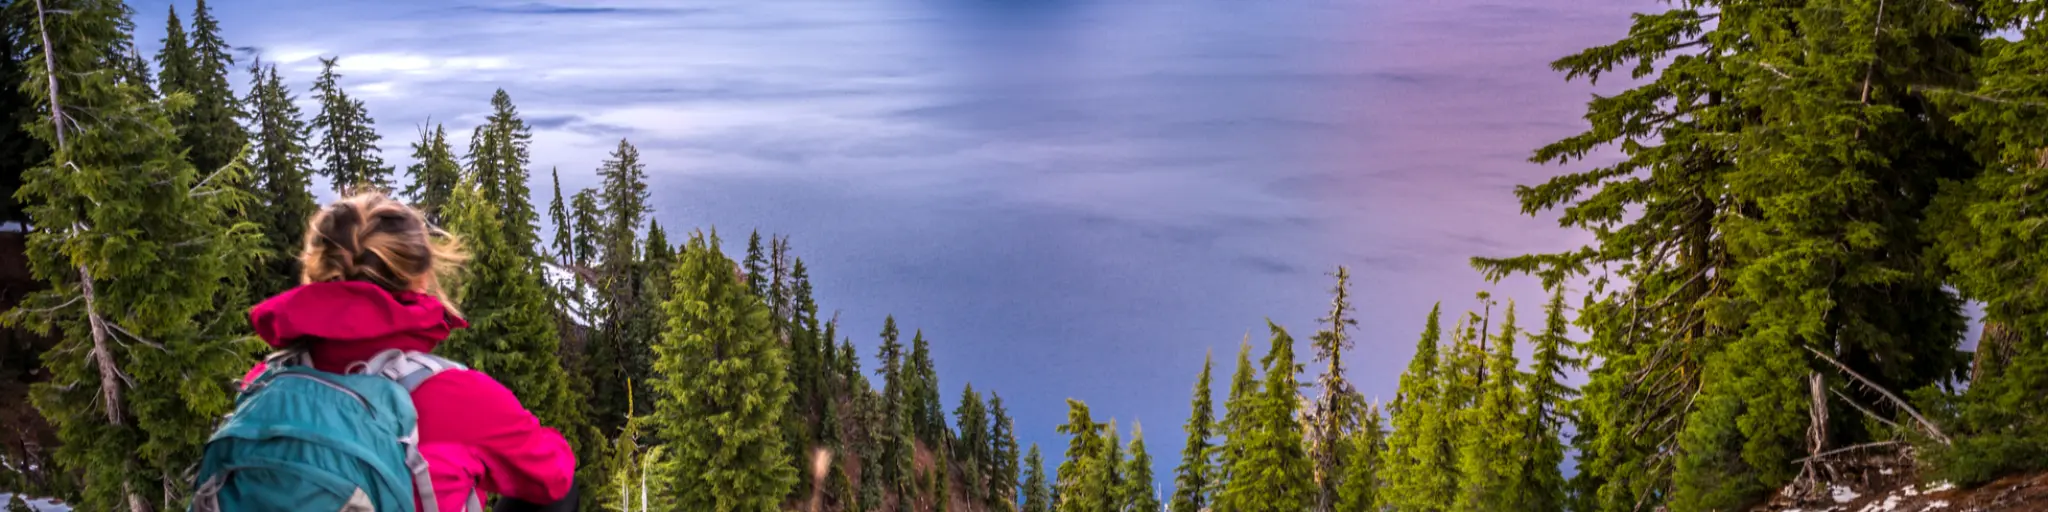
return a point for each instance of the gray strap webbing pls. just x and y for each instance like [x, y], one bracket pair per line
[422, 480]
[410, 369]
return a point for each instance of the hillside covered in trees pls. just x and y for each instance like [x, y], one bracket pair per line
[1802, 197]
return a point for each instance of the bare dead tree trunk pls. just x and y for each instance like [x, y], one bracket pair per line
[103, 356]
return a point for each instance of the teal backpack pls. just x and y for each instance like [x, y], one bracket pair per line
[304, 439]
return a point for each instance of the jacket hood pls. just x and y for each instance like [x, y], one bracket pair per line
[348, 321]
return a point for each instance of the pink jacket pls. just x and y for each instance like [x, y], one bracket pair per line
[475, 435]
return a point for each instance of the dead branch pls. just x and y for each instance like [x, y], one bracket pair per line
[1896, 401]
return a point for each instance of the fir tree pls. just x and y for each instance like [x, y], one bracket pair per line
[1003, 470]
[722, 391]
[588, 224]
[1037, 492]
[1416, 466]
[1113, 464]
[212, 129]
[435, 174]
[347, 147]
[138, 248]
[1990, 251]
[975, 447]
[558, 215]
[1194, 482]
[1540, 478]
[1491, 444]
[896, 430]
[175, 61]
[283, 176]
[926, 413]
[1243, 384]
[757, 266]
[1084, 477]
[1272, 473]
[1137, 474]
[498, 157]
[1361, 485]
[624, 197]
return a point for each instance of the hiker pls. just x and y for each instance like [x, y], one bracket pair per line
[372, 273]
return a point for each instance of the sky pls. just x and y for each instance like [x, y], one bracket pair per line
[1071, 198]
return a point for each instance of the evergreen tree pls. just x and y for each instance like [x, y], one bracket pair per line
[176, 68]
[498, 157]
[558, 215]
[1336, 412]
[1540, 479]
[1194, 481]
[588, 224]
[139, 249]
[1361, 485]
[212, 129]
[347, 147]
[624, 197]
[926, 413]
[1084, 477]
[619, 355]
[1416, 466]
[722, 391]
[1113, 464]
[1491, 444]
[1003, 470]
[1243, 384]
[757, 266]
[1137, 474]
[1990, 252]
[435, 174]
[1751, 237]
[283, 176]
[1037, 492]
[1272, 473]
[975, 447]
[896, 431]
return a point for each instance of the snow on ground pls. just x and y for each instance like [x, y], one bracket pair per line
[36, 504]
[1843, 494]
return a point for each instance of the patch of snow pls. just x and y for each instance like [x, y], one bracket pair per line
[1890, 503]
[1911, 491]
[1842, 493]
[1938, 504]
[1939, 486]
[36, 504]
[1885, 471]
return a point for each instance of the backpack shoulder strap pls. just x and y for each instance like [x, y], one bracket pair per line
[409, 369]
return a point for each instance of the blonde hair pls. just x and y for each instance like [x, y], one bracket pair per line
[371, 238]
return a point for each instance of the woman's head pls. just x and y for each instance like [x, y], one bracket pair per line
[371, 238]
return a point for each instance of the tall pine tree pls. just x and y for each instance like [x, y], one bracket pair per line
[1084, 477]
[1361, 486]
[1138, 495]
[1272, 472]
[136, 245]
[722, 390]
[347, 147]
[1194, 482]
[212, 129]
[1037, 492]
[1491, 443]
[283, 176]
[1417, 465]
[435, 174]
